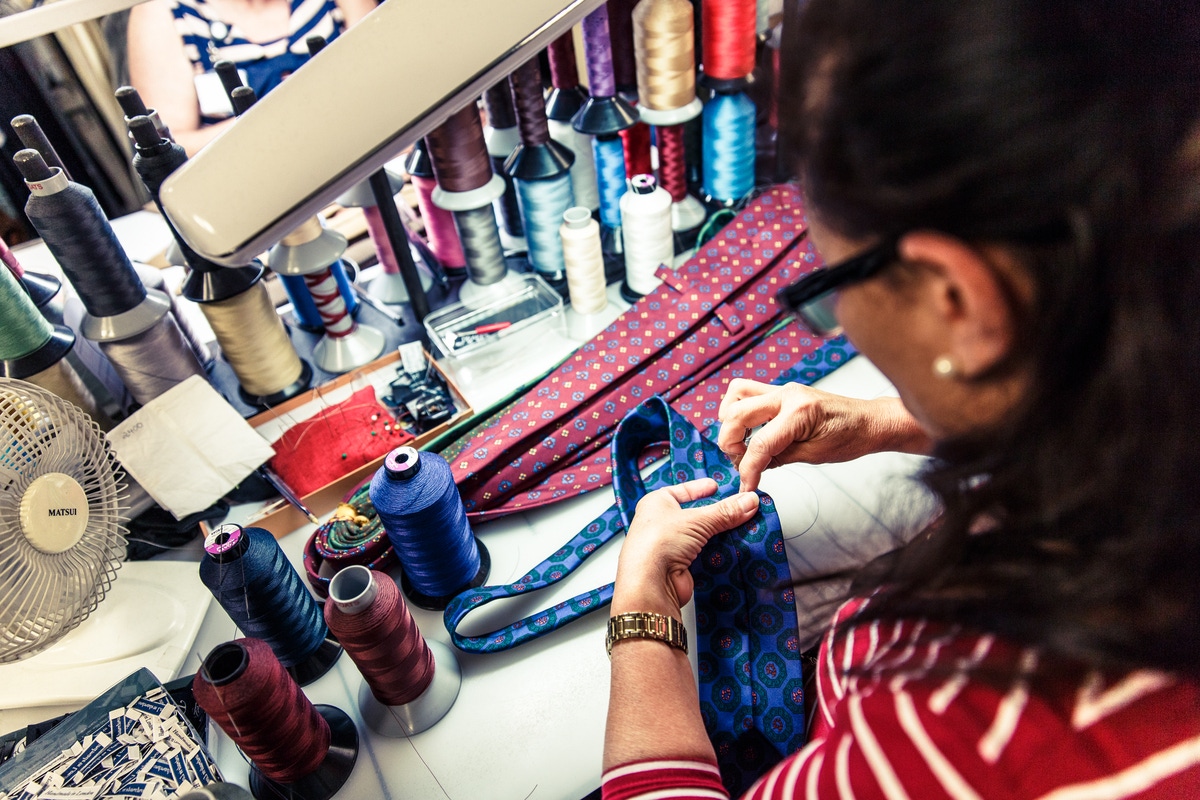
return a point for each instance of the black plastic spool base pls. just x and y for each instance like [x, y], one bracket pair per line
[328, 778]
[214, 285]
[724, 85]
[287, 392]
[604, 116]
[536, 162]
[431, 603]
[628, 294]
[562, 104]
[41, 288]
[46, 356]
[317, 664]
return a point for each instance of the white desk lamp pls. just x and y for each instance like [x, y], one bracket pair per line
[372, 92]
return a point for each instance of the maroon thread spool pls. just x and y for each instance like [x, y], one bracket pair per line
[295, 748]
[408, 684]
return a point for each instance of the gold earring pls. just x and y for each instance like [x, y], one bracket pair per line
[944, 367]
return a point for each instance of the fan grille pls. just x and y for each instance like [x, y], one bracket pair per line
[45, 595]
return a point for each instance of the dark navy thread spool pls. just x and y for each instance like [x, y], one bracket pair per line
[79, 236]
[415, 497]
[252, 580]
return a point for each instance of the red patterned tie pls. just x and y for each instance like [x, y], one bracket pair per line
[706, 325]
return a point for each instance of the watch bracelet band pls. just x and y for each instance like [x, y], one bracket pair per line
[646, 625]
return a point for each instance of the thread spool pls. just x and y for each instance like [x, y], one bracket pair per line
[133, 327]
[610, 177]
[620, 36]
[728, 148]
[543, 203]
[635, 142]
[728, 28]
[256, 345]
[439, 223]
[664, 41]
[458, 152]
[34, 350]
[40, 288]
[346, 344]
[422, 512]
[233, 300]
[252, 580]
[541, 169]
[409, 684]
[584, 261]
[296, 749]
[467, 187]
[502, 138]
[152, 278]
[304, 309]
[604, 112]
[78, 235]
[648, 236]
[564, 101]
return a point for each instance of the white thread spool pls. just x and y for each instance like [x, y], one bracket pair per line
[647, 233]
[583, 171]
[584, 260]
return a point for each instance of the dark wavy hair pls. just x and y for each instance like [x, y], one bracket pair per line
[1070, 131]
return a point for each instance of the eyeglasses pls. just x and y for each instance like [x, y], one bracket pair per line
[813, 298]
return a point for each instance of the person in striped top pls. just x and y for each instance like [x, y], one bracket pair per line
[173, 45]
[1006, 192]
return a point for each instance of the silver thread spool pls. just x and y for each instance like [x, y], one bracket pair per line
[153, 279]
[145, 346]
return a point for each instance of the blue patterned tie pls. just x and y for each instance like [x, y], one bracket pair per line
[750, 683]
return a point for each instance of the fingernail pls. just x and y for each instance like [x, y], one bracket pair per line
[747, 501]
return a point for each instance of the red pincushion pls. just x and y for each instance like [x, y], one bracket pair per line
[335, 442]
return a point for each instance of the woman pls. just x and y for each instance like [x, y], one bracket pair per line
[173, 45]
[1010, 188]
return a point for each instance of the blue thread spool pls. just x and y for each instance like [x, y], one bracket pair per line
[415, 497]
[610, 178]
[260, 591]
[728, 148]
[543, 204]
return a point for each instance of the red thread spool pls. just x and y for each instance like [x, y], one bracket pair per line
[672, 163]
[729, 38]
[367, 614]
[636, 141]
[564, 69]
[246, 691]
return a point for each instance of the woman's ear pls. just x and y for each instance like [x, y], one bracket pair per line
[966, 290]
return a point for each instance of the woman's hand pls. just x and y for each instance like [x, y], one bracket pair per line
[802, 424]
[664, 539]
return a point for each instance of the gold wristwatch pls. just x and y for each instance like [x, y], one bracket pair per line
[646, 625]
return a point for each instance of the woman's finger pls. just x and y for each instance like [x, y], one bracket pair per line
[688, 490]
[723, 516]
[768, 442]
[740, 389]
[749, 412]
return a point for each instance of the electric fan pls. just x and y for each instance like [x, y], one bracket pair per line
[60, 540]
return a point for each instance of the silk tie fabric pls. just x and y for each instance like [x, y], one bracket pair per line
[712, 320]
[751, 687]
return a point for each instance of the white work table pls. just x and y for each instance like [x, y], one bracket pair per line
[529, 722]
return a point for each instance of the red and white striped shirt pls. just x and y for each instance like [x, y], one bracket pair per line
[904, 712]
